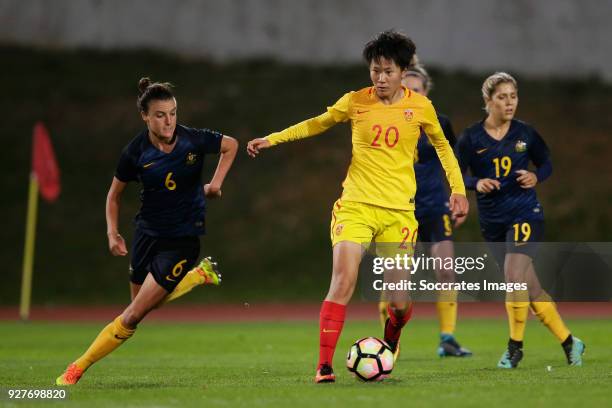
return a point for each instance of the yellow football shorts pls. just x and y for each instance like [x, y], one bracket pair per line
[394, 230]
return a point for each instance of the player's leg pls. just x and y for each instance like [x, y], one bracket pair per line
[544, 308]
[517, 308]
[349, 229]
[447, 303]
[517, 303]
[134, 289]
[116, 332]
[167, 260]
[346, 258]
[205, 273]
[397, 236]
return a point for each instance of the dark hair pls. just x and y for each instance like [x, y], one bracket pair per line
[390, 45]
[149, 91]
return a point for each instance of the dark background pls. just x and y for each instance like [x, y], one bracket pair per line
[270, 229]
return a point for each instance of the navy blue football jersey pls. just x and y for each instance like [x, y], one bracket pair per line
[486, 157]
[172, 196]
[432, 194]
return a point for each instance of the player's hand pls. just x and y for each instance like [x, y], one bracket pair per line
[459, 220]
[255, 145]
[526, 179]
[116, 245]
[459, 205]
[486, 185]
[211, 191]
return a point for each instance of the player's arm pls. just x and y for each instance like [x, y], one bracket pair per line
[116, 243]
[310, 127]
[447, 128]
[465, 151]
[540, 156]
[229, 147]
[458, 202]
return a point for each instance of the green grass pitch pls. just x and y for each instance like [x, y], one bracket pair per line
[272, 364]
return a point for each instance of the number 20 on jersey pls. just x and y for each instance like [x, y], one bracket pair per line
[391, 136]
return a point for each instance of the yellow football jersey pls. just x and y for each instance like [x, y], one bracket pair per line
[384, 142]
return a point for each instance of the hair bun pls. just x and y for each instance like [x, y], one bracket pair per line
[143, 84]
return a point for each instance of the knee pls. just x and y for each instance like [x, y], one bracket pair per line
[446, 275]
[341, 288]
[131, 317]
[340, 292]
[513, 276]
[400, 308]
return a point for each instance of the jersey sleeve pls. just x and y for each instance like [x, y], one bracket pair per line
[208, 140]
[447, 128]
[335, 114]
[540, 156]
[464, 153]
[127, 169]
[438, 140]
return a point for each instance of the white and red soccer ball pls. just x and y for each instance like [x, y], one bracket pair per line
[370, 359]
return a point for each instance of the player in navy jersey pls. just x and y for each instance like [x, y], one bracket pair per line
[498, 151]
[167, 160]
[433, 215]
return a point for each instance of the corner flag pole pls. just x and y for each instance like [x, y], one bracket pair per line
[28, 253]
[44, 177]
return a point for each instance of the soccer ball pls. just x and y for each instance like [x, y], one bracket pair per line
[370, 359]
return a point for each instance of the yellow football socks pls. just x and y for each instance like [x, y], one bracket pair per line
[545, 309]
[447, 311]
[111, 337]
[517, 319]
[190, 281]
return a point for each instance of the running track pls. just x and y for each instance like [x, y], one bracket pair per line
[282, 312]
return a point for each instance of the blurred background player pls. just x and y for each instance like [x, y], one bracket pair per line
[433, 215]
[497, 151]
[167, 159]
[377, 203]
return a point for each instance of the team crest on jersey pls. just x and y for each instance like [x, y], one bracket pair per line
[191, 158]
[339, 229]
[520, 146]
[408, 114]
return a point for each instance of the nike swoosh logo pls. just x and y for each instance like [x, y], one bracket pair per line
[359, 112]
[482, 150]
[329, 331]
[520, 243]
[148, 165]
[121, 338]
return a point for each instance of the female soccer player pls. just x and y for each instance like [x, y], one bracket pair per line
[378, 198]
[497, 151]
[167, 160]
[433, 215]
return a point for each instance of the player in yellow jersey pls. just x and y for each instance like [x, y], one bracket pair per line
[377, 203]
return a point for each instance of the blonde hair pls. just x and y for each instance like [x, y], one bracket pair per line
[417, 70]
[490, 85]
